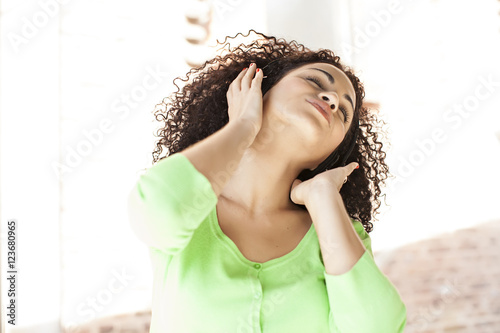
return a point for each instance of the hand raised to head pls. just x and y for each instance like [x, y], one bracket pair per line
[301, 192]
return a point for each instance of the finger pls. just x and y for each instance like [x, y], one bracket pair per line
[249, 73]
[257, 81]
[350, 168]
[237, 81]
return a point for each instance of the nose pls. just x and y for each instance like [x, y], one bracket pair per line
[331, 98]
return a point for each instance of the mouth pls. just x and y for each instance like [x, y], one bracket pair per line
[321, 110]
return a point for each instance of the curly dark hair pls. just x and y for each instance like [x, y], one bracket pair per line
[200, 109]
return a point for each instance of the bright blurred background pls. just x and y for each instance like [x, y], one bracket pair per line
[79, 81]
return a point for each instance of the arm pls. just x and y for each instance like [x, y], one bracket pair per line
[171, 200]
[361, 297]
[168, 203]
[218, 156]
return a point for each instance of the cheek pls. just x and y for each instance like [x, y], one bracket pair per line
[336, 136]
[289, 88]
[287, 95]
[277, 97]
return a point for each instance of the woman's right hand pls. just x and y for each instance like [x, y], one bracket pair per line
[244, 98]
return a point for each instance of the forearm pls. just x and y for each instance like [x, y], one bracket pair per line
[340, 245]
[218, 155]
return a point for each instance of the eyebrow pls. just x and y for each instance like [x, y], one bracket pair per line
[332, 81]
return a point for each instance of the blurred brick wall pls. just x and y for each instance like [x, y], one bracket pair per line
[137, 322]
[450, 284]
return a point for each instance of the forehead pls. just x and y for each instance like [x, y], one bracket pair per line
[339, 76]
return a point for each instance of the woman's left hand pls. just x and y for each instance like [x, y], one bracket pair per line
[334, 178]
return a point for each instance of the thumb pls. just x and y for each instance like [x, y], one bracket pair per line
[351, 167]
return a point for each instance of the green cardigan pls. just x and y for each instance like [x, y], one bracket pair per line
[202, 282]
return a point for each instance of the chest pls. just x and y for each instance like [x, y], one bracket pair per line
[265, 238]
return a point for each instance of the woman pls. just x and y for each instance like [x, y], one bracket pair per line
[254, 221]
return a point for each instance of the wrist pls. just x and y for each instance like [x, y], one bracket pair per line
[242, 131]
[321, 195]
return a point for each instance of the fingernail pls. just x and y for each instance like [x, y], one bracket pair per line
[244, 69]
[258, 69]
[357, 167]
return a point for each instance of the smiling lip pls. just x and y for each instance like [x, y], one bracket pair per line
[321, 110]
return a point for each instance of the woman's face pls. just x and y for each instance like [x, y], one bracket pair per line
[298, 99]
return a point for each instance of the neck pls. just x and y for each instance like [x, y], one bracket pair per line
[262, 182]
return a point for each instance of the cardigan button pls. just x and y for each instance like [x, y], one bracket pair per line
[257, 266]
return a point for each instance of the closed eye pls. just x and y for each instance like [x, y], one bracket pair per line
[346, 117]
[318, 83]
[315, 80]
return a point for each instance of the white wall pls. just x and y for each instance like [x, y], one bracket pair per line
[423, 60]
[29, 137]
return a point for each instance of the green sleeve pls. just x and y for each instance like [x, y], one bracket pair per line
[363, 299]
[169, 202]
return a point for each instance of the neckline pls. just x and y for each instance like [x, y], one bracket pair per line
[236, 251]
